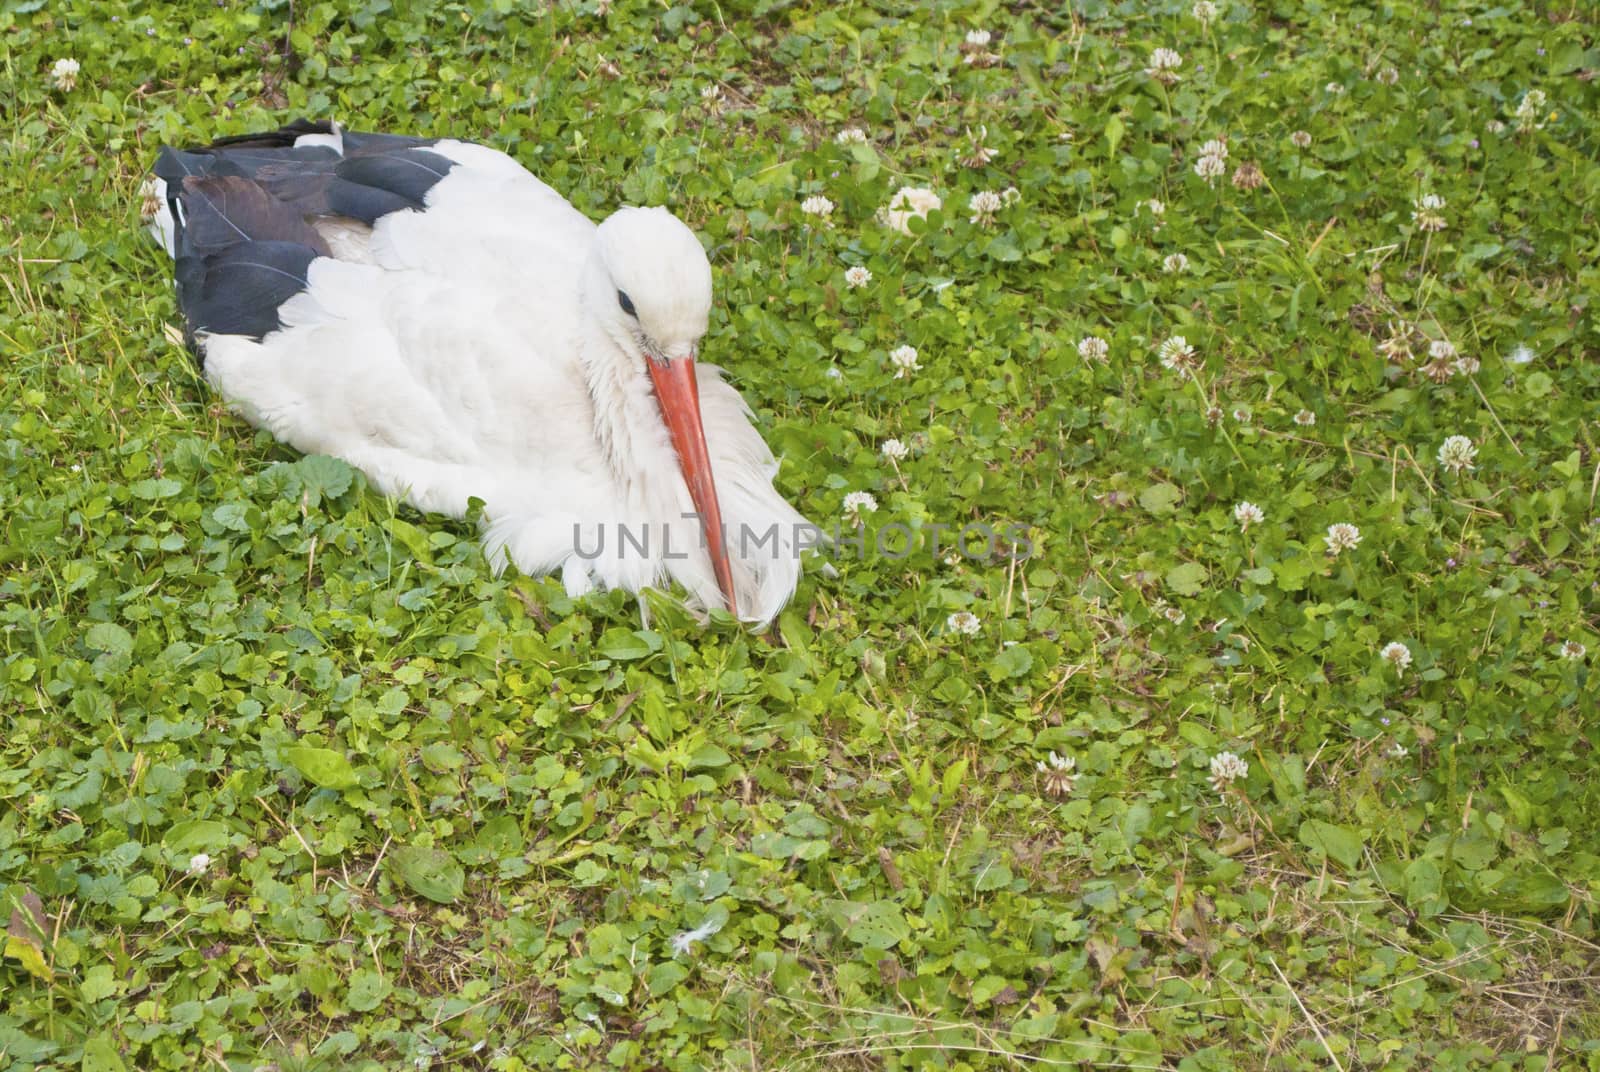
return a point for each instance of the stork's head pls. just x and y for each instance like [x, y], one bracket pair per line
[657, 316]
[662, 281]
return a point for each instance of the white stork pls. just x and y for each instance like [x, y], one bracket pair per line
[439, 318]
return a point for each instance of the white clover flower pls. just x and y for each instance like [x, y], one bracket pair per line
[964, 622]
[711, 94]
[149, 200]
[893, 449]
[1176, 355]
[1468, 366]
[1494, 126]
[908, 201]
[1157, 208]
[1439, 370]
[1010, 196]
[1175, 262]
[850, 136]
[1521, 355]
[1210, 168]
[983, 205]
[198, 863]
[904, 360]
[1060, 777]
[1530, 109]
[1247, 514]
[1396, 655]
[1226, 768]
[1572, 651]
[1301, 139]
[1164, 59]
[980, 156]
[1204, 10]
[1164, 64]
[1248, 176]
[1305, 418]
[817, 205]
[1173, 615]
[1093, 348]
[857, 503]
[1334, 88]
[1396, 750]
[64, 75]
[834, 372]
[978, 38]
[1441, 349]
[1342, 536]
[857, 276]
[1456, 453]
[1428, 213]
[1217, 147]
[1388, 76]
[1397, 347]
[1241, 414]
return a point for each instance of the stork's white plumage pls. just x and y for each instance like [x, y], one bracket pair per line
[433, 314]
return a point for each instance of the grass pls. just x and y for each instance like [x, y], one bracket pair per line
[288, 778]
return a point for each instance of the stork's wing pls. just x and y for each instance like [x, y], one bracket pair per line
[369, 366]
[249, 213]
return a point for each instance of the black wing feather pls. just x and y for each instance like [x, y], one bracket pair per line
[246, 163]
[242, 210]
[283, 137]
[356, 144]
[238, 291]
[174, 165]
[372, 185]
[225, 210]
[364, 203]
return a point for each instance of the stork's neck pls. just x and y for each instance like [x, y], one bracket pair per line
[627, 417]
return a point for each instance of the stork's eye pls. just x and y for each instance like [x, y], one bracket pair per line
[627, 305]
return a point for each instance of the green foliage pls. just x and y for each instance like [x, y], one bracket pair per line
[289, 777]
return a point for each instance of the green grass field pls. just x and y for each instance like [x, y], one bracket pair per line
[289, 779]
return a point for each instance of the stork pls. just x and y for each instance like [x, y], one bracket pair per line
[442, 320]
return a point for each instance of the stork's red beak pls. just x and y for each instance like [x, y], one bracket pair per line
[678, 394]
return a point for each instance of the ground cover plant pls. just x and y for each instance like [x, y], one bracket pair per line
[1272, 323]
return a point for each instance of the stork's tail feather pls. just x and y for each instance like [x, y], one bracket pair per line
[244, 216]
